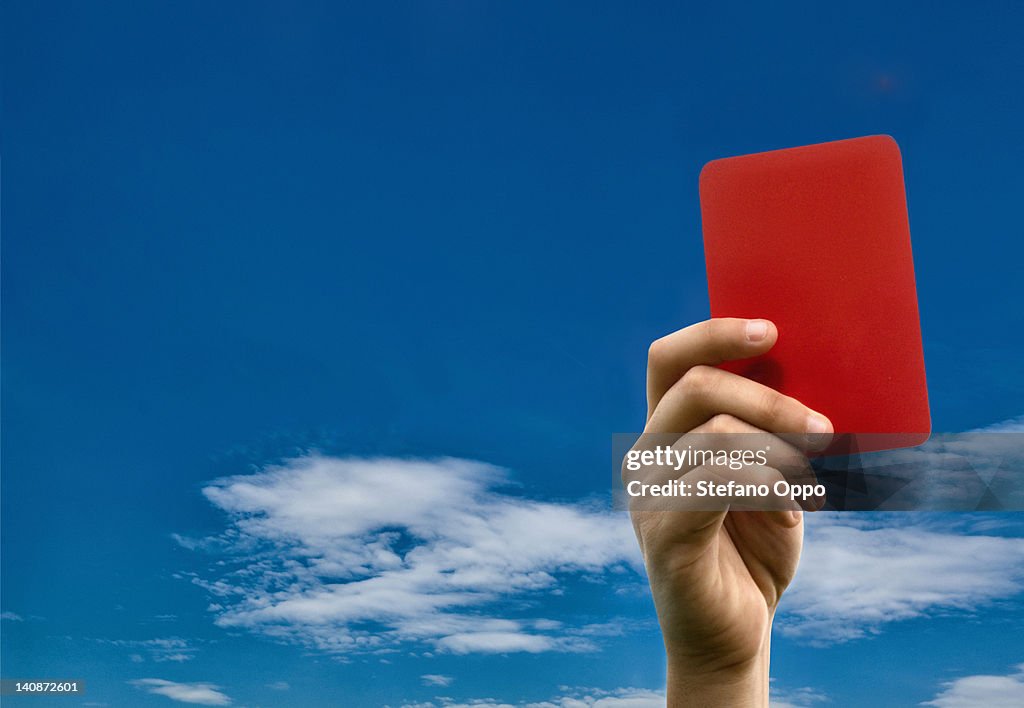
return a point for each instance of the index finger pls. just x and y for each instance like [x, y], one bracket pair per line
[710, 342]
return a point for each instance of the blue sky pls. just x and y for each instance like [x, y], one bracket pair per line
[236, 234]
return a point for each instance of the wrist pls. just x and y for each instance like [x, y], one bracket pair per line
[693, 683]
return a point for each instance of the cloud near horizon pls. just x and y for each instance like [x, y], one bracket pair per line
[613, 698]
[572, 698]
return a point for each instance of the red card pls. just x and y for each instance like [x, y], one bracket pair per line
[817, 240]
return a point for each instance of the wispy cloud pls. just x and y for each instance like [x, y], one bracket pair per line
[795, 698]
[11, 616]
[982, 691]
[571, 698]
[349, 555]
[355, 555]
[862, 571]
[160, 649]
[436, 680]
[205, 694]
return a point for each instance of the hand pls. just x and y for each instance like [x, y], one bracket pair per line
[717, 575]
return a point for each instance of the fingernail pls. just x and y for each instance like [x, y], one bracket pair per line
[817, 426]
[756, 330]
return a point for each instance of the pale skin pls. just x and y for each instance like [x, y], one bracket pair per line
[717, 576]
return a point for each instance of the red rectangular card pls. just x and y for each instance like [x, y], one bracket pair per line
[817, 240]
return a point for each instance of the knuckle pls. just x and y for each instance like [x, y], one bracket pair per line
[657, 354]
[698, 381]
[722, 423]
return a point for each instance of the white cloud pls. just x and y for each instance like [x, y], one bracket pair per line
[206, 694]
[357, 555]
[982, 691]
[278, 686]
[494, 642]
[436, 680]
[862, 571]
[12, 616]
